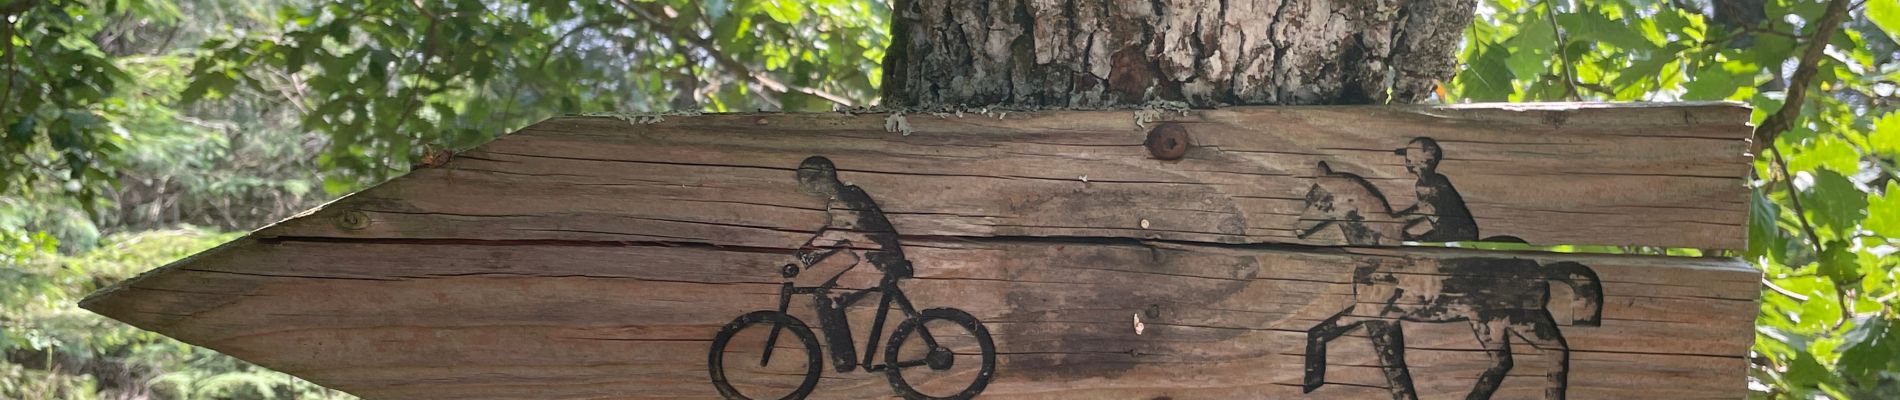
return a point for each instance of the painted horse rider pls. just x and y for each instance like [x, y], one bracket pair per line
[1440, 215]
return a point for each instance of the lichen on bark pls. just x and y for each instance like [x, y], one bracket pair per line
[1096, 53]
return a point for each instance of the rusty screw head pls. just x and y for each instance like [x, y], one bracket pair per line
[352, 220]
[1169, 141]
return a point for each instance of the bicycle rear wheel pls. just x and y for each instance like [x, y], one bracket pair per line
[765, 319]
[940, 350]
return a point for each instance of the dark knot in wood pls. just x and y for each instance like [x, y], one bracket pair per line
[352, 220]
[435, 156]
[1168, 141]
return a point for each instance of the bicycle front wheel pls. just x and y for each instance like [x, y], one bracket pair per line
[950, 347]
[756, 331]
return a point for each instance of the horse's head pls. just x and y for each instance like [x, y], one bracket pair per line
[1338, 197]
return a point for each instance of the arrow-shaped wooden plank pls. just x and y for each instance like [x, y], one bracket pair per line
[592, 258]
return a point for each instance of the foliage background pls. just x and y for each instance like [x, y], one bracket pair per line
[140, 131]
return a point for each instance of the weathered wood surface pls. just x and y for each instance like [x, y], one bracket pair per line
[593, 258]
[558, 320]
[1601, 175]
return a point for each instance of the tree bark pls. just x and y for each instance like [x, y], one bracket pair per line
[1090, 54]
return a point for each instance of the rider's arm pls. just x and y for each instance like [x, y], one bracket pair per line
[809, 257]
[823, 245]
[1420, 227]
[1420, 219]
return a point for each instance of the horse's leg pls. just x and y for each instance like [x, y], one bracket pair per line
[1497, 342]
[1541, 331]
[1389, 341]
[1316, 338]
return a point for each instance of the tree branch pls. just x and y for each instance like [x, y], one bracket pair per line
[1569, 77]
[725, 61]
[1783, 119]
[422, 72]
[561, 41]
[1794, 199]
[1797, 92]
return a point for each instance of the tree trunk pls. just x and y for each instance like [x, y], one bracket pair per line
[1087, 54]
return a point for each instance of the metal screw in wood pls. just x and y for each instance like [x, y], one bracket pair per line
[1168, 141]
[352, 220]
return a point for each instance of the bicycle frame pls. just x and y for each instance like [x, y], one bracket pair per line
[891, 293]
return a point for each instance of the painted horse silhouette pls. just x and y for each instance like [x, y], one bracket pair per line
[1499, 297]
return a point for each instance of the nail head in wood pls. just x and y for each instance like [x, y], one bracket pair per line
[352, 220]
[1168, 141]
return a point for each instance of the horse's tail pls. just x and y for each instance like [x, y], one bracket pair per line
[1583, 282]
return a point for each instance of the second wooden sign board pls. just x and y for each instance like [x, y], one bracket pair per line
[1234, 253]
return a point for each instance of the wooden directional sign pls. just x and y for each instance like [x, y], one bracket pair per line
[1234, 253]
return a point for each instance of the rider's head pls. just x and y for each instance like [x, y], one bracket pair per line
[818, 177]
[1421, 155]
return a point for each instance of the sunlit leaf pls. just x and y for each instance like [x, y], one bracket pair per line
[1590, 25]
[1712, 81]
[1833, 202]
[1886, 14]
[1883, 211]
[1488, 77]
[1885, 137]
[1826, 152]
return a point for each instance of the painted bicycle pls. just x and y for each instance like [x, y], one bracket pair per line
[913, 331]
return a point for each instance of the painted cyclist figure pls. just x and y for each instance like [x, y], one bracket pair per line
[853, 225]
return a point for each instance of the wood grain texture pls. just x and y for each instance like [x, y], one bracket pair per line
[558, 320]
[590, 258]
[1597, 175]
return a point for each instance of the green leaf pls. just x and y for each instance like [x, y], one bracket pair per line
[1647, 69]
[1883, 212]
[336, 186]
[1826, 151]
[1765, 238]
[1590, 25]
[1872, 347]
[1531, 48]
[1833, 202]
[1885, 138]
[206, 85]
[1487, 76]
[1712, 81]
[1806, 372]
[21, 131]
[788, 12]
[1886, 14]
[1839, 263]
